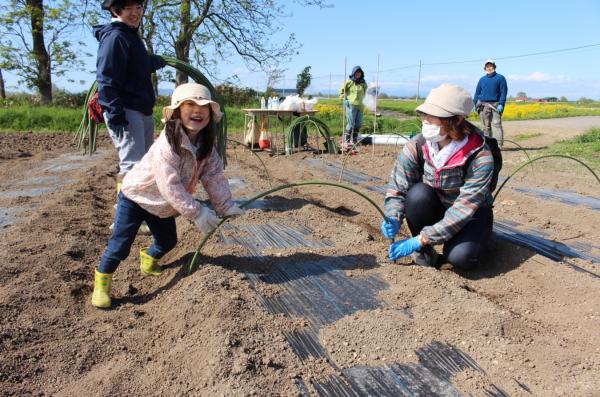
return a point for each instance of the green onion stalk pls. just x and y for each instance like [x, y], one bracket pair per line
[320, 126]
[540, 158]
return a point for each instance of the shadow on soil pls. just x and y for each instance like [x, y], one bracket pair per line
[259, 266]
[499, 257]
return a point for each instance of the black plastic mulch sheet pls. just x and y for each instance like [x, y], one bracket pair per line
[317, 289]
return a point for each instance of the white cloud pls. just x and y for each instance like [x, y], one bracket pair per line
[445, 78]
[538, 77]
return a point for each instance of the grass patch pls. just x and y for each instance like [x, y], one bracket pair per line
[39, 119]
[585, 147]
[398, 105]
[524, 137]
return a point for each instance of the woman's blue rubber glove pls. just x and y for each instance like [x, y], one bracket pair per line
[390, 227]
[404, 248]
[500, 109]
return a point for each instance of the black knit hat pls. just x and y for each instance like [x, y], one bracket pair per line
[106, 4]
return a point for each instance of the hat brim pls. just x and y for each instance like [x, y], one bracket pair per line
[216, 109]
[433, 110]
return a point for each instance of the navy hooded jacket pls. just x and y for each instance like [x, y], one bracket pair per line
[123, 72]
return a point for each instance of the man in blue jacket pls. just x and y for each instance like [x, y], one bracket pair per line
[489, 100]
[125, 90]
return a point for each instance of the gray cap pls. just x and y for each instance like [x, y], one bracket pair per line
[447, 100]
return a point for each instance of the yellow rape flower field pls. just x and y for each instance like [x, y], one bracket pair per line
[328, 110]
[514, 111]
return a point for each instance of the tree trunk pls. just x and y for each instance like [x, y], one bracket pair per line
[147, 30]
[2, 91]
[153, 76]
[43, 81]
[182, 45]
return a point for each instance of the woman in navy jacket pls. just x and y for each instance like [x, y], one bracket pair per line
[125, 91]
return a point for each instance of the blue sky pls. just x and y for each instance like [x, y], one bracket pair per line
[401, 34]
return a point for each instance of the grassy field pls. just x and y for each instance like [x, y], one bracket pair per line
[61, 119]
[585, 147]
[20, 118]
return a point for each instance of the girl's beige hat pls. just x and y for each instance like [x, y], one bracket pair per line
[192, 92]
[447, 100]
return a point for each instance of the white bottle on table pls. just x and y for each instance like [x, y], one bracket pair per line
[263, 103]
[270, 104]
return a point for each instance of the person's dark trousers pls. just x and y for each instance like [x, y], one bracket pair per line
[128, 218]
[424, 208]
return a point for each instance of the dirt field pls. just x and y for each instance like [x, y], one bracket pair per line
[296, 297]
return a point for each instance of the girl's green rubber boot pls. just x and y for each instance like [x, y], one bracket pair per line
[101, 295]
[149, 264]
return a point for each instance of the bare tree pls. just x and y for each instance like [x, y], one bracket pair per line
[211, 30]
[33, 41]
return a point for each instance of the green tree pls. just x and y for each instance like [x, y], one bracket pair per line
[36, 40]
[521, 94]
[303, 80]
[274, 76]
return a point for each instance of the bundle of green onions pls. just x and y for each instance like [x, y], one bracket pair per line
[304, 122]
[87, 132]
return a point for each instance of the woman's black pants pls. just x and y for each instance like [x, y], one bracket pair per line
[424, 208]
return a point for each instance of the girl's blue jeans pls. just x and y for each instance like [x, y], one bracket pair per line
[128, 218]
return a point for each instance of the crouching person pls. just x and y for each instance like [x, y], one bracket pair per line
[441, 185]
[161, 186]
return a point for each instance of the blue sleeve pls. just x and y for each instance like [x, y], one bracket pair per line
[477, 93]
[113, 56]
[503, 91]
[157, 62]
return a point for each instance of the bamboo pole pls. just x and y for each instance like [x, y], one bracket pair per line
[344, 115]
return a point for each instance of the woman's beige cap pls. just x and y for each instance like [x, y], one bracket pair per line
[193, 92]
[447, 100]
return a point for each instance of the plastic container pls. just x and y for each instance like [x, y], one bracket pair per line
[263, 103]
[264, 142]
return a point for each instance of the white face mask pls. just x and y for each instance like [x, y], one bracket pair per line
[431, 132]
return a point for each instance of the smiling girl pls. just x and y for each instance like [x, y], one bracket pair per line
[162, 184]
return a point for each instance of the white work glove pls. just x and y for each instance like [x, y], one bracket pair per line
[206, 220]
[234, 210]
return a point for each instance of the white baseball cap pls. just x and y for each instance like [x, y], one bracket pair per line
[489, 60]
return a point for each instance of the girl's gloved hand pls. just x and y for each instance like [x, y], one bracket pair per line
[206, 220]
[234, 210]
[404, 248]
[390, 227]
[500, 109]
